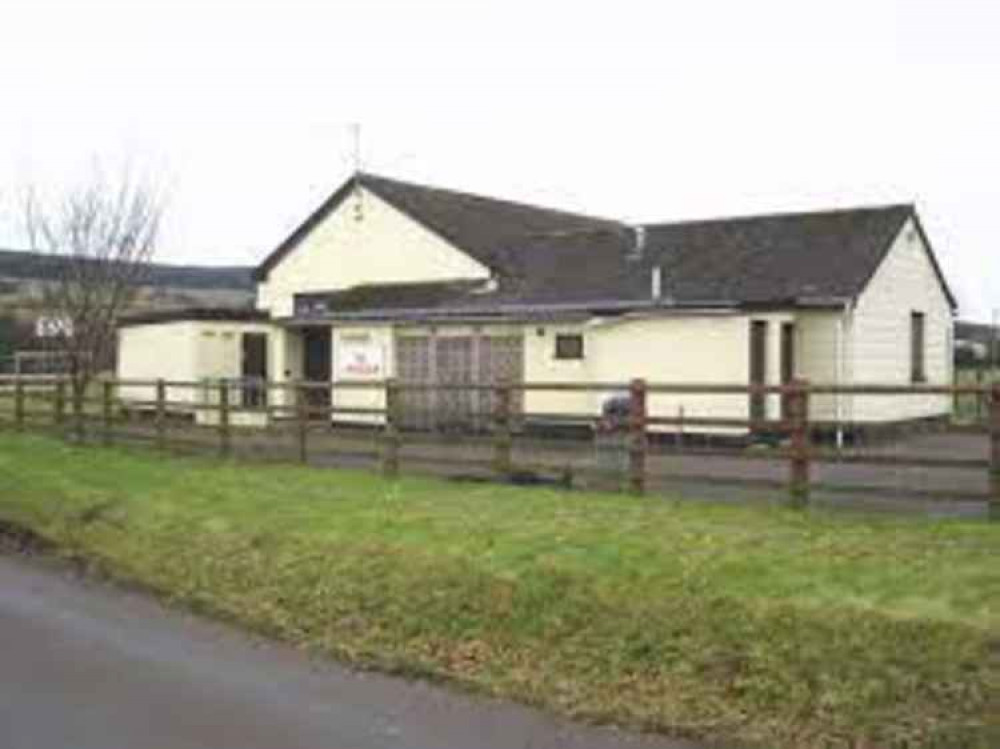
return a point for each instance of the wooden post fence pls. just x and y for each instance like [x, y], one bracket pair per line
[390, 438]
[501, 431]
[799, 465]
[302, 421]
[114, 400]
[637, 443]
[225, 443]
[994, 505]
[107, 411]
[161, 415]
[19, 404]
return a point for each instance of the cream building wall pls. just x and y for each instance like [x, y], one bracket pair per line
[705, 349]
[385, 246]
[188, 353]
[167, 351]
[820, 335]
[708, 349]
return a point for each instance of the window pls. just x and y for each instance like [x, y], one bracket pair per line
[569, 346]
[918, 372]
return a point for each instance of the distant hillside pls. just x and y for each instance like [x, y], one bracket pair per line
[17, 264]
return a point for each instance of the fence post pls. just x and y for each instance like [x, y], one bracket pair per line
[637, 437]
[161, 414]
[302, 421]
[390, 442]
[19, 404]
[59, 405]
[106, 411]
[799, 466]
[994, 511]
[225, 446]
[501, 431]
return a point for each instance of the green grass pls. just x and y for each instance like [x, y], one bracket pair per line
[757, 626]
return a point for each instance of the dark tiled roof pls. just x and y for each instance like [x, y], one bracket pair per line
[189, 314]
[830, 254]
[542, 256]
[387, 296]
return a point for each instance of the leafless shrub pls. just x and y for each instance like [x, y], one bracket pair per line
[101, 236]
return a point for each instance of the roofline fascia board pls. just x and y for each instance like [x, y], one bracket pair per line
[507, 312]
[952, 299]
[585, 308]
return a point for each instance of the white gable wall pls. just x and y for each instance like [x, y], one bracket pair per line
[879, 336]
[385, 246]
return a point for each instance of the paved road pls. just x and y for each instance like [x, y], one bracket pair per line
[84, 666]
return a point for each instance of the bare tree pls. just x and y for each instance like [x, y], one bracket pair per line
[101, 237]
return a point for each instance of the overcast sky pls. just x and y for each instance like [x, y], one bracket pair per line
[638, 111]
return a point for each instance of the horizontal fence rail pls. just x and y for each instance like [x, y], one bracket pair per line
[486, 428]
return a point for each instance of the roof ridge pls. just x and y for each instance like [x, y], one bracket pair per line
[364, 177]
[783, 215]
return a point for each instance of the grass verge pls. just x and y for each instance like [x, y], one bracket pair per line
[760, 627]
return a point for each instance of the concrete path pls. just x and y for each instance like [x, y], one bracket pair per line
[85, 666]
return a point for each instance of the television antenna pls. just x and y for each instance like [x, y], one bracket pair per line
[359, 209]
[356, 146]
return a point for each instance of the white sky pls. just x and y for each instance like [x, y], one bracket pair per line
[632, 110]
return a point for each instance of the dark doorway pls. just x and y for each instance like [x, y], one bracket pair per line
[787, 361]
[254, 370]
[317, 363]
[758, 368]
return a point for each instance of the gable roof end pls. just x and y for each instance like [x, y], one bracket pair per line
[487, 229]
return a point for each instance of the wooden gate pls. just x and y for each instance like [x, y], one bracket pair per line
[455, 360]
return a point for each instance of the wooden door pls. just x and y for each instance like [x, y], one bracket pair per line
[758, 368]
[455, 366]
[501, 360]
[254, 370]
[317, 363]
[787, 361]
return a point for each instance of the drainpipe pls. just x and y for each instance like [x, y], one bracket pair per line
[840, 371]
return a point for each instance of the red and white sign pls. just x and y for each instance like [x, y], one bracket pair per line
[359, 359]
